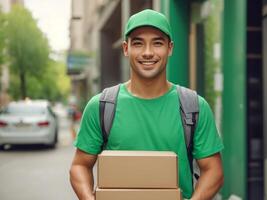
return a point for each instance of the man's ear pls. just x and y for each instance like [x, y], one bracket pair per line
[170, 48]
[125, 48]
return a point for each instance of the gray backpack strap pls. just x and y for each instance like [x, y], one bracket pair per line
[107, 109]
[189, 110]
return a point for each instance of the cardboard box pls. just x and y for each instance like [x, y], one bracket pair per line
[137, 169]
[138, 194]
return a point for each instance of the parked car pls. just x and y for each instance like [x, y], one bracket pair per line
[28, 122]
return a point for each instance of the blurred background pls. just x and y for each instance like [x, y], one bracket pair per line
[54, 55]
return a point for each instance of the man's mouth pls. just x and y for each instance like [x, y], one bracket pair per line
[148, 62]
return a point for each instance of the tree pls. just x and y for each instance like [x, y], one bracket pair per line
[63, 82]
[27, 47]
[2, 36]
[54, 84]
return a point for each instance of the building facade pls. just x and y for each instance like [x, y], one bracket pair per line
[82, 56]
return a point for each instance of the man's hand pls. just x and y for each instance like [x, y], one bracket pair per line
[81, 175]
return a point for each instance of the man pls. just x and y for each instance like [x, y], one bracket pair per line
[147, 116]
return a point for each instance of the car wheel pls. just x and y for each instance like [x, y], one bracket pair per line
[54, 143]
[56, 136]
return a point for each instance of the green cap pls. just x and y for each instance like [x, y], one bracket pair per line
[148, 18]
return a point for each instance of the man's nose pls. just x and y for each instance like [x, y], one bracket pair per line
[148, 52]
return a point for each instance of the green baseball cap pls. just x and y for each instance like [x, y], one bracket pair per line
[148, 17]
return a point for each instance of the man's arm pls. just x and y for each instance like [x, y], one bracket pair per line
[81, 175]
[211, 177]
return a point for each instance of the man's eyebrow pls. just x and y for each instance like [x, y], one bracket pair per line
[158, 38]
[136, 39]
[141, 39]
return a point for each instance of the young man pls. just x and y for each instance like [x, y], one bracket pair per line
[147, 115]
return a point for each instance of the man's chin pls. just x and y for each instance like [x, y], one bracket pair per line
[147, 67]
[148, 74]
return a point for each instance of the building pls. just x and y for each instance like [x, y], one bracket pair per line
[82, 55]
[7, 4]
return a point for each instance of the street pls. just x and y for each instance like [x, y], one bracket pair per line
[36, 172]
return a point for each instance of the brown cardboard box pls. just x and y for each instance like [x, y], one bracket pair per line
[138, 194]
[137, 169]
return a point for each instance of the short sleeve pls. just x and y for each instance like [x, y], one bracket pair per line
[207, 140]
[89, 138]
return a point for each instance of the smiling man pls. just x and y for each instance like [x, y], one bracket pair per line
[147, 49]
[147, 115]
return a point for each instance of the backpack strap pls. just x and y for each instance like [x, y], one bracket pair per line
[107, 108]
[189, 110]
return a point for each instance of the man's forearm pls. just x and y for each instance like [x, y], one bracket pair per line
[82, 181]
[207, 186]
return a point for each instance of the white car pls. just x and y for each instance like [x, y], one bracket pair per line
[28, 122]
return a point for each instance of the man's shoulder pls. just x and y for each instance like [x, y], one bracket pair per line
[93, 103]
[95, 99]
[202, 102]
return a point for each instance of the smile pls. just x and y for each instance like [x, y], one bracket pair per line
[148, 62]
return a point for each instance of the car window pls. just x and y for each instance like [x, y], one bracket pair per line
[25, 109]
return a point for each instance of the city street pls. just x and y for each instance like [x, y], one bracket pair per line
[35, 172]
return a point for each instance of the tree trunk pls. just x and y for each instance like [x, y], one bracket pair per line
[23, 91]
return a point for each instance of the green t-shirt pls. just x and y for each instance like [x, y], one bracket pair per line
[151, 124]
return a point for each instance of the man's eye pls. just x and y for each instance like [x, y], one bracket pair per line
[158, 44]
[137, 43]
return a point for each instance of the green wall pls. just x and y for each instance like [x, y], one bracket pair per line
[178, 13]
[234, 88]
[234, 98]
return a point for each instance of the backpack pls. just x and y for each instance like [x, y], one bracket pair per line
[188, 108]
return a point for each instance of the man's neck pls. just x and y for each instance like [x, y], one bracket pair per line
[148, 89]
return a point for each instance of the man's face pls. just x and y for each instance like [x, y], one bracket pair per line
[148, 50]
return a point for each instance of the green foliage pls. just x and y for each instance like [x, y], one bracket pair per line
[53, 84]
[33, 74]
[2, 36]
[56, 84]
[27, 46]
[62, 81]
[212, 31]
[14, 88]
